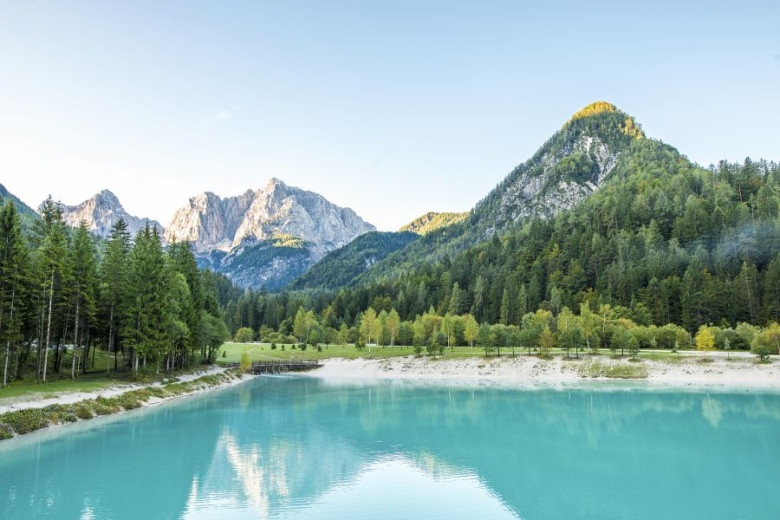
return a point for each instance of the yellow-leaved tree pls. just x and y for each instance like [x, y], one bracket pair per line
[705, 339]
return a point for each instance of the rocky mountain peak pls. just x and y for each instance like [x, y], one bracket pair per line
[570, 166]
[277, 212]
[101, 212]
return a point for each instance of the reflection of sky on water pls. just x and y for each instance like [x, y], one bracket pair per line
[295, 448]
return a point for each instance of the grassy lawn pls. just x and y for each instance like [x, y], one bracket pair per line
[264, 352]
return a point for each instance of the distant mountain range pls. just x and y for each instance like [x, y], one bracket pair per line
[279, 235]
[264, 237]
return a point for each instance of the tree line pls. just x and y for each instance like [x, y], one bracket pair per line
[665, 243]
[64, 293]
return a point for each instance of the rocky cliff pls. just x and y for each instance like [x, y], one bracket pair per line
[101, 212]
[265, 237]
[566, 169]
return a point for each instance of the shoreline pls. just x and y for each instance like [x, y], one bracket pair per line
[11, 404]
[532, 372]
[83, 407]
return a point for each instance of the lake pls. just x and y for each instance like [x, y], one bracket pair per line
[303, 448]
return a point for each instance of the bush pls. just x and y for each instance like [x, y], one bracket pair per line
[244, 335]
[26, 421]
[245, 365]
[273, 346]
[158, 391]
[5, 432]
[102, 409]
[82, 411]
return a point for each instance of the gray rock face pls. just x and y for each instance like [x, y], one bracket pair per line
[276, 213]
[546, 186]
[264, 237]
[101, 212]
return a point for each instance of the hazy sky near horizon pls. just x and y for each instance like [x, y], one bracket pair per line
[390, 108]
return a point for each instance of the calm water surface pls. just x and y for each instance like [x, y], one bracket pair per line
[296, 447]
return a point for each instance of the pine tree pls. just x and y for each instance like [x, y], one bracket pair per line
[51, 261]
[82, 266]
[114, 273]
[145, 331]
[13, 268]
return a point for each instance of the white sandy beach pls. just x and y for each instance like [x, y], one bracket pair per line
[530, 371]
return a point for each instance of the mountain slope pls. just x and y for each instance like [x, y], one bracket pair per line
[101, 212]
[574, 163]
[264, 237]
[432, 221]
[27, 214]
[338, 268]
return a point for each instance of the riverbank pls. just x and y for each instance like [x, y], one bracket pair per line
[525, 370]
[19, 416]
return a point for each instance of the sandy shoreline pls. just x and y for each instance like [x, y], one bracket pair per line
[531, 371]
[12, 404]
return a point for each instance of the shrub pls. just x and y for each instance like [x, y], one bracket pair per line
[5, 432]
[244, 335]
[26, 421]
[273, 346]
[158, 391]
[82, 411]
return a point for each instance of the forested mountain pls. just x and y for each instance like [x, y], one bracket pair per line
[432, 221]
[101, 212]
[26, 213]
[567, 169]
[600, 217]
[341, 267]
[265, 237]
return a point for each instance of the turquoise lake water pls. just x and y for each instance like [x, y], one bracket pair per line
[301, 448]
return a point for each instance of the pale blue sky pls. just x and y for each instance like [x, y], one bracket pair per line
[391, 108]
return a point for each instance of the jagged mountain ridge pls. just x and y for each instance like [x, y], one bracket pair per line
[277, 213]
[265, 237]
[101, 212]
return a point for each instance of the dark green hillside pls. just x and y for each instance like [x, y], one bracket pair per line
[26, 213]
[340, 267]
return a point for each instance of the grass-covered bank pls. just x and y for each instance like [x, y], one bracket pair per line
[27, 420]
[231, 352]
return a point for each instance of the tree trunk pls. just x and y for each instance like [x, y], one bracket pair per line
[8, 346]
[38, 370]
[48, 328]
[75, 339]
[110, 343]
